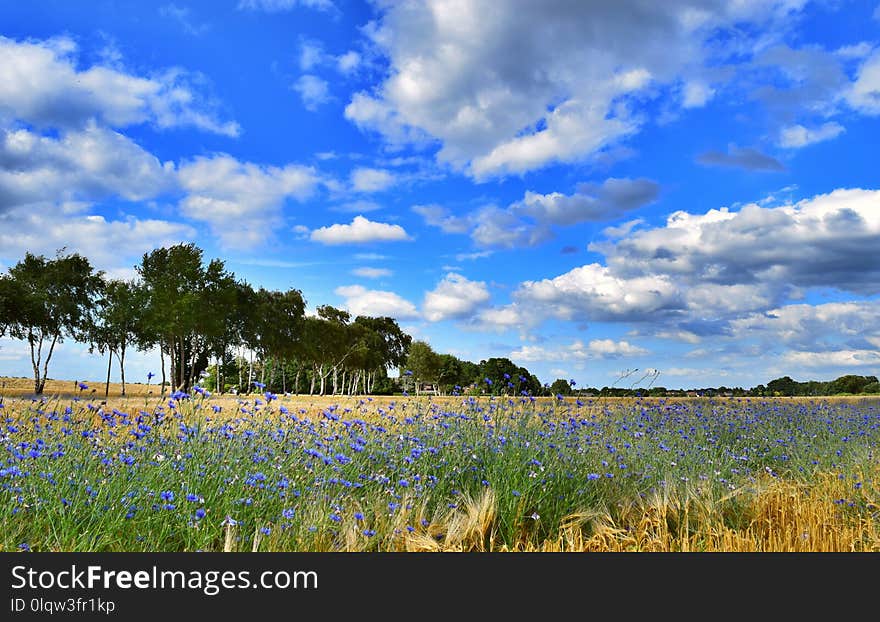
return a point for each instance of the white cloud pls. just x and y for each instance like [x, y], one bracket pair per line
[377, 303]
[360, 230]
[579, 351]
[311, 55]
[623, 229]
[864, 93]
[348, 62]
[364, 179]
[372, 273]
[454, 297]
[503, 228]
[506, 88]
[241, 201]
[89, 164]
[594, 292]
[696, 94]
[796, 136]
[312, 90]
[835, 359]
[439, 216]
[829, 240]
[40, 83]
[112, 245]
[278, 6]
[529, 222]
[592, 202]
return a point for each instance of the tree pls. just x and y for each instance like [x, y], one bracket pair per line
[11, 302]
[423, 362]
[560, 387]
[185, 313]
[53, 299]
[850, 383]
[118, 323]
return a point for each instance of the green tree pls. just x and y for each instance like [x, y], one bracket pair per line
[118, 323]
[54, 299]
[560, 387]
[423, 362]
[183, 313]
[850, 383]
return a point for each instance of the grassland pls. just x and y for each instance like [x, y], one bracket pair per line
[279, 473]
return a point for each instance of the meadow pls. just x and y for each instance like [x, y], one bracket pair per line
[265, 472]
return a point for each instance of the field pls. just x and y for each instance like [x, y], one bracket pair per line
[198, 472]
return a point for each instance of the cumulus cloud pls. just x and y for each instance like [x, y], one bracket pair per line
[365, 179]
[362, 301]
[796, 136]
[89, 164]
[829, 240]
[312, 90]
[579, 351]
[360, 230]
[530, 221]
[592, 202]
[454, 297]
[736, 157]
[241, 201]
[41, 84]
[111, 245]
[482, 80]
[593, 292]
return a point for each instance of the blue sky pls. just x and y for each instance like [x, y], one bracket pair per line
[585, 188]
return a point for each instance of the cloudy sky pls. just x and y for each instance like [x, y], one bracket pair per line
[584, 187]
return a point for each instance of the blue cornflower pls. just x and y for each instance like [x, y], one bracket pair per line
[265, 531]
[335, 518]
[83, 386]
[287, 513]
[358, 516]
[192, 497]
[592, 476]
[166, 495]
[200, 514]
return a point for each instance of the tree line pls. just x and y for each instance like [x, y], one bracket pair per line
[214, 330]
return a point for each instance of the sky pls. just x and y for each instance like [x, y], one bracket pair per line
[587, 188]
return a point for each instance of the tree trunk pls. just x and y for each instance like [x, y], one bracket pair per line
[312, 381]
[283, 380]
[162, 359]
[109, 365]
[250, 371]
[122, 368]
[296, 381]
[35, 361]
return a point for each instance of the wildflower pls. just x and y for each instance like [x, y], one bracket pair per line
[288, 513]
[265, 531]
[592, 476]
[83, 386]
[166, 495]
[200, 514]
[229, 521]
[192, 497]
[150, 376]
[24, 546]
